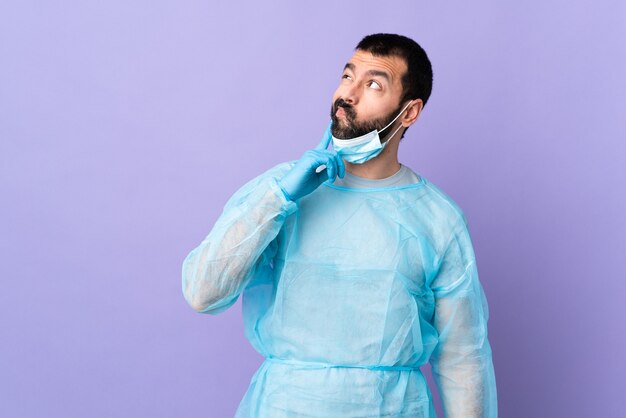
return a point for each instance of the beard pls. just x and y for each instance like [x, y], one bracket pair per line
[348, 127]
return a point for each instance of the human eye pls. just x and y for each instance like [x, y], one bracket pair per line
[346, 77]
[375, 85]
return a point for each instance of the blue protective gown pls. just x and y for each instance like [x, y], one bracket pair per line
[347, 293]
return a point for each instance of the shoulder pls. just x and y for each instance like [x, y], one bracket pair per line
[436, 213]
[433, 198]
[444, 203]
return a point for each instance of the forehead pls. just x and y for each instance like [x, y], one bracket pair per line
[392, 65]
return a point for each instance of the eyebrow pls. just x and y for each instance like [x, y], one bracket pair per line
[374, 73]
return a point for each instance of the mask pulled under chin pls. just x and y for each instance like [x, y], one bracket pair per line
[365, 147]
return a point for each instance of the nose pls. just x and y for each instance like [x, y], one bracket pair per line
[350, 94]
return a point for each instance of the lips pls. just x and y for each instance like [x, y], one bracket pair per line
[340, 112]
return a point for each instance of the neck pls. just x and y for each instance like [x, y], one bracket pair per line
[384, 165]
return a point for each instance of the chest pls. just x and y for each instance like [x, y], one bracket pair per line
[352, 231]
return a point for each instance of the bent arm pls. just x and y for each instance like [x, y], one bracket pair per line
[217, 271]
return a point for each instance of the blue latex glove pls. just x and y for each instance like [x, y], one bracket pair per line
[309, 172]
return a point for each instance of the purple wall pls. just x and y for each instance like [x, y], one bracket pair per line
[125, 126]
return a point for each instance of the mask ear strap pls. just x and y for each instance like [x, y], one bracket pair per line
[391, 136]
[394, 119]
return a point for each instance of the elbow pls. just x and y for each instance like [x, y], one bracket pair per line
[212, 304]
[191, 293]
[195, 303]
[211, 288]
[191, 282]
[198, 300]
[200, 297]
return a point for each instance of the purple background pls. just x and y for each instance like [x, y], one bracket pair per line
[125, 126]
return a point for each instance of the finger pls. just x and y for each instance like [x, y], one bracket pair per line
[321, 165]
[340, 165]
[322, 177]
[332, 162]
[316, 160]
[323, 161]
[326, 138]
[320, 168]
[331, 168]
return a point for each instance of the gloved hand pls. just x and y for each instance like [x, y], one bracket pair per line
[309, 172]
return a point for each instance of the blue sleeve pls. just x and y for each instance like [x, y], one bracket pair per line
[216, 272]
[462, 362]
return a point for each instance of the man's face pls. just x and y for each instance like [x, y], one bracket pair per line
[368, 96]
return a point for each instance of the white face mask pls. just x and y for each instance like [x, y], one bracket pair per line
[365, 147]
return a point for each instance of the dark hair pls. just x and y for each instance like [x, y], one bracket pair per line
[417, 83]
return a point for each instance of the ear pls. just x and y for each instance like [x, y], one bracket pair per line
[412, 112]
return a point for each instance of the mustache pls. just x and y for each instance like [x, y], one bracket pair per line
[347, 107]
